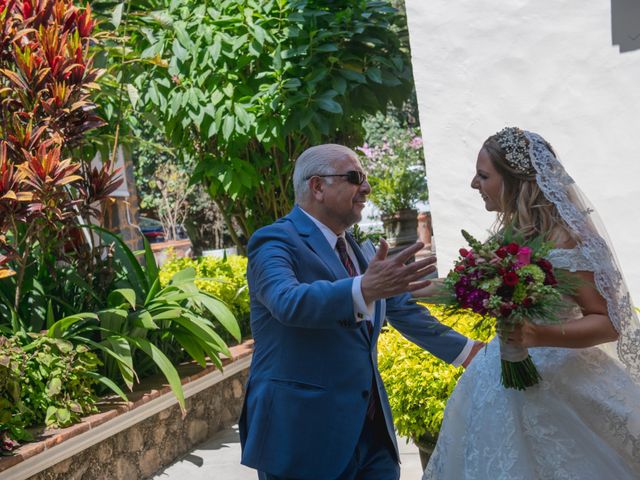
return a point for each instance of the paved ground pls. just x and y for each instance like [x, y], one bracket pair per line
[219, 459]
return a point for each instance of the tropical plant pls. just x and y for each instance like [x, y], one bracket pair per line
[394, 159]
[224, 277]
[146, 327]
[419, 384]
[46, 82]
[244, 86]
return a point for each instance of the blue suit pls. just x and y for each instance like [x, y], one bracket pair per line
[313, 364]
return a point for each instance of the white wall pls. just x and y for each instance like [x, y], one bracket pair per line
[545, 66]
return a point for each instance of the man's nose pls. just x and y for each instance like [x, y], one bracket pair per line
[365, 187]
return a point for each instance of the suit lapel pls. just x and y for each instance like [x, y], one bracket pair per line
[317, 242]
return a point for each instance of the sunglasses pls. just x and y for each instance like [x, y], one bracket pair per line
[353, 176]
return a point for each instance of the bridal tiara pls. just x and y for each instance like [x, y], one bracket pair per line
[514, 142]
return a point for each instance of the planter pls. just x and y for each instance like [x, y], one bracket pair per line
[425, 229]
[134, 440]
[425, 445]
[181, 248]
[401, 228]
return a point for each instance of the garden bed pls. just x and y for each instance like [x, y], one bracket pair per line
[134, 440]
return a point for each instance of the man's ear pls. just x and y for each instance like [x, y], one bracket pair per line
[316, 186]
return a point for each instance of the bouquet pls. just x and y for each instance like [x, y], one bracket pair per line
[510, 280]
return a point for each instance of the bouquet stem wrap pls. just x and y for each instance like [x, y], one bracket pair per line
[518, 370]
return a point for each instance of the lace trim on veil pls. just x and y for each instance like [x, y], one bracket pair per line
[558, 187]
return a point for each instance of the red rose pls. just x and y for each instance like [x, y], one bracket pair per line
[549, 279]
[501, 252]
[527, 302]
[510, 279]
[545, 265]
[505, 309]
[463, 252]
[459, 268]
[512, 248]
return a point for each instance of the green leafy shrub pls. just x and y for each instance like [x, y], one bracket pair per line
[12, 423]
[418, 383]
[394, 159]
[224, 278]
[48, 381]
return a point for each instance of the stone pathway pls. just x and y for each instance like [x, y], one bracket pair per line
[219, 459]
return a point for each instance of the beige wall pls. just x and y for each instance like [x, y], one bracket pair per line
[547, 66]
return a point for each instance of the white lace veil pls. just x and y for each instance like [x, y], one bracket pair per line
[574, 208]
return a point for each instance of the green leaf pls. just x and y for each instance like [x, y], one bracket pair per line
[116, 15]
[374, 74]
[133, 93]
[145, 320]
[228, 126]
[54, 386]
[107, 382]
[126, 294]
[150, 262]
[165, 366]
[329, 105]
[222, 313]
[58, 329]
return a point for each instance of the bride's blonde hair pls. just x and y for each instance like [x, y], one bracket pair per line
[523, 206]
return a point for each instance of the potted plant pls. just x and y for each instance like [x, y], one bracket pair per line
[418, 383]
[395, 164]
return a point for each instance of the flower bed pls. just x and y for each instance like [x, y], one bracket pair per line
[135, 439]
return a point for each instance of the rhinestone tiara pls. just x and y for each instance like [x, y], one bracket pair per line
[514, 143]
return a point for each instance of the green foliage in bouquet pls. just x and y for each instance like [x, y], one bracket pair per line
[225, 278]
[419, 384]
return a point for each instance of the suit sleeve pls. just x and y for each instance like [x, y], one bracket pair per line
[416, 323]
[273, 282]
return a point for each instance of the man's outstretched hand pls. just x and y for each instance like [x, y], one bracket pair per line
[386, 277]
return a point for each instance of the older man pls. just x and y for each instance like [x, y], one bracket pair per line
[316, 407]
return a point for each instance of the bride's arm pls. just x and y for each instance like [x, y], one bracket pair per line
[434, 288]
[592, 329]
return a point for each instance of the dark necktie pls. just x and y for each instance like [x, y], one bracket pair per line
[341, 247]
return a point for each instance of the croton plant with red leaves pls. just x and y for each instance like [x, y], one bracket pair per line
[47, 80]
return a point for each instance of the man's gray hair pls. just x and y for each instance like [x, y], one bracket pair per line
[318, 160]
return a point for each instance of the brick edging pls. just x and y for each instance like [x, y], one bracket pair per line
[113, 407]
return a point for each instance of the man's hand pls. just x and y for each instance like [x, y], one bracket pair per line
[477, 346]
[386, 277]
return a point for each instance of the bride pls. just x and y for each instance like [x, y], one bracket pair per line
[582, 421]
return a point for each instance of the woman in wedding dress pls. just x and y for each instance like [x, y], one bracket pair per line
[582, 421]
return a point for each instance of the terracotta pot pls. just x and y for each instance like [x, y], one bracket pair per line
[401, 228]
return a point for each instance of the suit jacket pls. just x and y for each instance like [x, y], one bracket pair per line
[313, 364]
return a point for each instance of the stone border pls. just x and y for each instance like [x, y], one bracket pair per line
[58, 445]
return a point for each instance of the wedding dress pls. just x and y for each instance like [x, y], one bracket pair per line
[582, 421]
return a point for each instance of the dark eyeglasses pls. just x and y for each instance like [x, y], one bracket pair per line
[353, 176]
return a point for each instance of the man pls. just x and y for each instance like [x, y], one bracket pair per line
[315, 406]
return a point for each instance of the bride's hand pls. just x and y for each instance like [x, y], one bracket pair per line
[434, 288]
[523, 334]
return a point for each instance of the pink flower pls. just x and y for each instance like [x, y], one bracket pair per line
[524, 256]
[416, 143]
